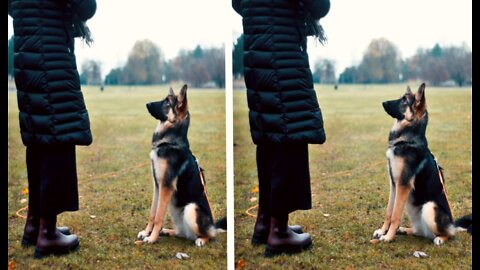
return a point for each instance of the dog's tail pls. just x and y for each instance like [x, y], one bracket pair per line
[464, 223]
[221, 225]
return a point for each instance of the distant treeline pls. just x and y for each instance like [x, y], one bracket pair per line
[146, 65]
[381, 63]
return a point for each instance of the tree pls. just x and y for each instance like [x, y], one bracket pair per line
[434, 70]
[173, 70]
[114, 77]
[237, 57]
[10, 57]
[194, 69]
[349, 75]
[459, 64]
[408, 69]
[201, 66]
[197, 52]
[441, 64]
[196, 72]
[324, 71]
[145, 64]
[91, 73]
[380, 63]
[215, 60]
[431, 65]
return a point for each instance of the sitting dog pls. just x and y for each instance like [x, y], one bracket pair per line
[416, 180]
[178, 180]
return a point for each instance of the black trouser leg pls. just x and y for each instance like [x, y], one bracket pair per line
[52, 173]
[290, 182]
[33, 158]
[264, 169]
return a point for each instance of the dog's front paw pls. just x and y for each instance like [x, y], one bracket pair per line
[438, 241]
[402, 231]
[386, 238]
[200, 242]
[150, 239]
[141, 235]
[167, 232]
[378, 233]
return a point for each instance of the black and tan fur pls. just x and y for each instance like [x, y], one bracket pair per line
[415, 177]
[177, 183]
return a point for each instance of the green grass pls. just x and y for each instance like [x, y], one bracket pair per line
[348, 172]
[115, 183]
[349, 182]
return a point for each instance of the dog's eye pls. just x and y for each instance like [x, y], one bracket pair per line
[404, 100]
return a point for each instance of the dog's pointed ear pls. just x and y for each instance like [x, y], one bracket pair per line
[420, 95]
[182, 97]
[408, 91]
[420, 103]
[170, 92]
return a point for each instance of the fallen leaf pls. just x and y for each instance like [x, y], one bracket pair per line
[326, 215]
[23, 200]
[254, 190]
[240, 264]
[182, 256]
[12, 265]
[138, 242]
[25, 191]
[420, 254]
[93, 216]
[374, 241]
[253, 199]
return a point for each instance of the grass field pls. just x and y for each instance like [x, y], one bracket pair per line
[350, 186]
[115, 185]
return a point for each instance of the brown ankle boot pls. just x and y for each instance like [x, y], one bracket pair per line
[282, 239]
[52, 241]
[262, 228]
[30, 232]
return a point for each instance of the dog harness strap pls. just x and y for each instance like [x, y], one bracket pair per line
[443, 185]
[420, 166]
[204, 186]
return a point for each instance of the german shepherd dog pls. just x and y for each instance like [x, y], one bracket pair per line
[416, 180]
[178, 180]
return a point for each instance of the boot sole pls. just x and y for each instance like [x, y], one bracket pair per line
[39, 253]
[272, 252]
[27, 242]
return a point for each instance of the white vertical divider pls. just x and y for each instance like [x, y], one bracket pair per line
[229, 138]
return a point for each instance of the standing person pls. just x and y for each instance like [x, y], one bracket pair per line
[284, 113]
[53, 117]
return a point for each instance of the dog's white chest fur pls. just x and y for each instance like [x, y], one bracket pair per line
[392, 159]
[159, 166]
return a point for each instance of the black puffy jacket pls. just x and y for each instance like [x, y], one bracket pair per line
[51, 104]
[283, 105]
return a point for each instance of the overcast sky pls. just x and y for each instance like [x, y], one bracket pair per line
[409, 24]
[172, 25]
[350, 26]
